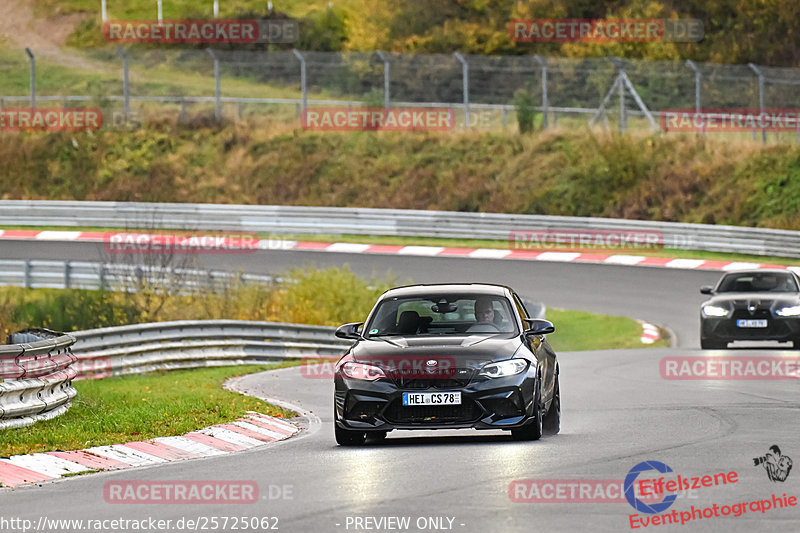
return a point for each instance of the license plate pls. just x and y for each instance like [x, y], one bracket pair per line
[754, 323]
[431, 398]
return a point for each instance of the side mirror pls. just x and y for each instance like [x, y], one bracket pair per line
[539, 326]
[349, 331]
[706, 289]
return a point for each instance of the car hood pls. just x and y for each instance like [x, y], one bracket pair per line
[466, 351]
[759, 300]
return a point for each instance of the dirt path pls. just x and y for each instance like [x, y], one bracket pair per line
[19, 28]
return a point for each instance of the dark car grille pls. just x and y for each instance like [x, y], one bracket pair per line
[398, 413]
[744, 313]
[459, 379]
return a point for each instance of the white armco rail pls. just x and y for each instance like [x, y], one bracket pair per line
[38, 371]
[397, 222]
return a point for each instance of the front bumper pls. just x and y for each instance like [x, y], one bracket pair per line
[725, 329]
[498, 403]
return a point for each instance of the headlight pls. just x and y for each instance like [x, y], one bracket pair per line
[789, 311]
[362, 371]
[714, 310]
[504, 368]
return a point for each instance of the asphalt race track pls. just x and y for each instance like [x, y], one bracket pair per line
[617, 412]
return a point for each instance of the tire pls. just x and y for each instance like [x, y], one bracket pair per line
[346, 437]
[551, 423]
[532, 431]
[796, 344]
[712, 345]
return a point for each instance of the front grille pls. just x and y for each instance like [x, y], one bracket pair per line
[744, 313]
[398, 413]
[460, 378]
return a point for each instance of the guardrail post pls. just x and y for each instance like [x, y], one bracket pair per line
[126, 90]
[303, 88]
[698, 104]
[101, 274]
[217, 89]
[465, 85]
[27, 280]
[543, 63]
[760, 99]
[386, 67]
[32, 61]
[67, 272]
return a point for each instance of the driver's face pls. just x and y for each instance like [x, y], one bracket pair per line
[485, 315]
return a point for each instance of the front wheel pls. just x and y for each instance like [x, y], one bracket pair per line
[346, 437]
[532, 431]
[551, 423]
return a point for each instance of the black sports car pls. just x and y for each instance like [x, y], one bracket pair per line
[751, 305]
[443, 357]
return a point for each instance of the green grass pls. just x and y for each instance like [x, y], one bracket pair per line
[581, 330]
[139, 407]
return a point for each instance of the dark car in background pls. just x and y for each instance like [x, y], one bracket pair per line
[443, 357]
[751, 305]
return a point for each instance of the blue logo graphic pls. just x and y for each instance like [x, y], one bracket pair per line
[638, 504]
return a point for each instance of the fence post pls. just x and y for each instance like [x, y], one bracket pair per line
[760, 99]
[160, 12]
[543, 63]
[386, 67]
[32, 61]
[303, 87]
[698, 103]
[103, 10]
[126, 90]
[216, 9]
[465, 83]
[217, 89]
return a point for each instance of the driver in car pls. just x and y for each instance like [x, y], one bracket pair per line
[484, 317]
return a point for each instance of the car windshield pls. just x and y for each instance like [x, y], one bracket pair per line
[758, 282]
[468, 314]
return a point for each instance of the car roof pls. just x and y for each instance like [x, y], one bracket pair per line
[447, 288]
[761, 271]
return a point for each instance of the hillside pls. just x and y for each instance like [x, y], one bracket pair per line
[675, 178]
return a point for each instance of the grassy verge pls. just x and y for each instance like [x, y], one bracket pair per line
[581, 330]
[140, 407]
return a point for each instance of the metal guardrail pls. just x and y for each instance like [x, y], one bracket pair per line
[188, 344]
[38, 274]
[36, 373]
[368, 221]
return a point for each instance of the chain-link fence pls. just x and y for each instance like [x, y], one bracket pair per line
[485, 91]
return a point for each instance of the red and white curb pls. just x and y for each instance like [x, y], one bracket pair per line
[250, 431]
[650, 333]
[233, 245]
